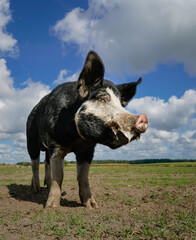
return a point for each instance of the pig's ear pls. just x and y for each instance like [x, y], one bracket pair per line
[91, 75]
[127, 91]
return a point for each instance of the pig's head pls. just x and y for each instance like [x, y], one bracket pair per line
[102, 117]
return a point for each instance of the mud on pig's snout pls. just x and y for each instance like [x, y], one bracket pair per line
[127, 127]
[130, 123]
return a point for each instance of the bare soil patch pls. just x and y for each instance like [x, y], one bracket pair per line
[135, 202]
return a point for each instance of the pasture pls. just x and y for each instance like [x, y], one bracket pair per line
[150, 201]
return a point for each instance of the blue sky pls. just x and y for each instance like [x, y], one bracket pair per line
[44, 43]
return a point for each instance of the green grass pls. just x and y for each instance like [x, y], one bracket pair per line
[168, 185]
[16, 217]
[154, 227]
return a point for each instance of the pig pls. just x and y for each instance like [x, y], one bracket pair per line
[75, 117]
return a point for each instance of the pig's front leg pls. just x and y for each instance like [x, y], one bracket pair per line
[57, 167]
[35, 180]
[86, 197]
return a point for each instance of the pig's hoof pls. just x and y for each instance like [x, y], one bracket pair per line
[52, 204]
[53, 201]
[35, 185]
[91, 203]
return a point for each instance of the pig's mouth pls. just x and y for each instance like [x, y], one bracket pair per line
[122, 138]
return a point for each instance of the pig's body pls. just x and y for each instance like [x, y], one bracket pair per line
[52, 120]
[74, 117]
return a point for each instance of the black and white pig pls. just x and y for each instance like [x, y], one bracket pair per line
[76, 116]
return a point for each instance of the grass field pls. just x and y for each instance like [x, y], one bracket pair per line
[152, 201]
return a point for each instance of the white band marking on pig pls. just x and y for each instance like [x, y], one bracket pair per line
[105, 111]
[115, 101]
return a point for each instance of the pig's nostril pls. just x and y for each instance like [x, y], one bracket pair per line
[142, 123]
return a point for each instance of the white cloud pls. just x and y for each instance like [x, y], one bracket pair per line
[7, 42]
[153, 144]
[171, 132]
[15, 105]
[134, 36]
[61, 77]
[6, 82]
[5, 148]
[65, 77]
[167, 115]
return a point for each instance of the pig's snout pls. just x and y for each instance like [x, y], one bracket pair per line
[141, 124]
[128, 128]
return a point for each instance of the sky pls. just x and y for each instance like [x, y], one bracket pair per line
[44, 43]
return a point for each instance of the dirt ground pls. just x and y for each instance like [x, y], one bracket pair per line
[134, 203]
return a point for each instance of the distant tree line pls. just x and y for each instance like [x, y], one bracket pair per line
[141, 161]
[25, 164]
[165, 160]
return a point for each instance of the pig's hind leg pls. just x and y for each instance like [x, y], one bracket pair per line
[47, 178]
[86, 197]
[35, 170]
[33, 146]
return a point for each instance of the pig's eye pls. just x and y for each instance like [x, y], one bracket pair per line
[104, 99]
